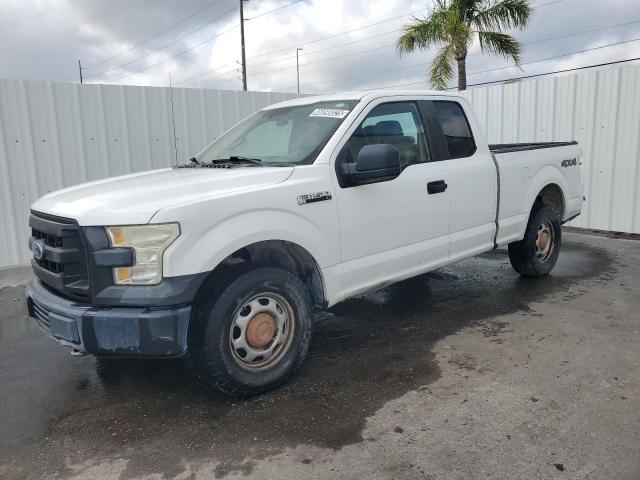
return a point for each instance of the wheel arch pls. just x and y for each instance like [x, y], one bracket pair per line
[548, 187]
[550, 195]
[284, 254]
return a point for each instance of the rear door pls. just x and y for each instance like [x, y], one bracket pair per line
[396, 228]
[471, 175]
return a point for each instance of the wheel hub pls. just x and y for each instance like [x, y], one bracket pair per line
[545, 241]
[261, 330]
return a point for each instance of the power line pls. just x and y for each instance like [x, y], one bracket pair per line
[548, 3]
[585, 67]
[475, 54]
[282, 59]
[558, 71]
[113, 69]
[174, 56]
[360, 28]
[233, 70]
[219, 84]
[393, 44]
[583, 32]
[336, 34]
[328, 59]
[472, 73]
[359, 40]
[316, 41]
[191, 48]
[274, 10]
[190, 79]
[224, 14]
[558, 56]
[154, 36]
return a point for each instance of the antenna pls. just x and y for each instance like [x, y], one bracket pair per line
[173, 121]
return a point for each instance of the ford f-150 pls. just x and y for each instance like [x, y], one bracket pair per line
[301, 205]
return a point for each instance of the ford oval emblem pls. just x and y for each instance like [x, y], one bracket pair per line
[37, 248]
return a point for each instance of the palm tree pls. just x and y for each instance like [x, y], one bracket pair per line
[454, 25]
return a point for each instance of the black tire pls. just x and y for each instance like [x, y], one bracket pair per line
[220, 361]
[525, 256]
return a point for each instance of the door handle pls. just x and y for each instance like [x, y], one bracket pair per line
[438, 186]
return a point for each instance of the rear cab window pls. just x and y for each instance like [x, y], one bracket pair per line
[448, 129]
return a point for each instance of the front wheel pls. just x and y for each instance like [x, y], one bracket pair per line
[537, 253]
[256, 332]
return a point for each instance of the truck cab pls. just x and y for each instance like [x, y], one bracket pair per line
[296, 208]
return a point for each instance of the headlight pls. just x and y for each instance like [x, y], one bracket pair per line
[148, 243]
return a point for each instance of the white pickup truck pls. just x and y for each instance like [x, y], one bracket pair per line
[301, 205]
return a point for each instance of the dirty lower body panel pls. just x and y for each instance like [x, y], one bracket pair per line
[122, 332]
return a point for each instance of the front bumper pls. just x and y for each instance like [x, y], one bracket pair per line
[118, 331]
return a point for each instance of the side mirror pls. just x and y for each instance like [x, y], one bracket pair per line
[375, 163]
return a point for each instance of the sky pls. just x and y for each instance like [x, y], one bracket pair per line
[346, 44]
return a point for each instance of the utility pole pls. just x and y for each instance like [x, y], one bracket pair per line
[244, 59]
[80, 70]
[298, 67]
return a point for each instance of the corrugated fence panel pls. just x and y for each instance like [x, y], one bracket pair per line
[601, 110]
[57, 135]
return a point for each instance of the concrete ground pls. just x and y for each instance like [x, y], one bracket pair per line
[468, 372]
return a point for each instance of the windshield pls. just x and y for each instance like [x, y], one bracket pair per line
[280, 136]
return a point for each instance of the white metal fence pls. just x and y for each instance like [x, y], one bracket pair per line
[56, 135]
[601, 110]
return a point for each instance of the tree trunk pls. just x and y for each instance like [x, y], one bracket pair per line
[462, 73]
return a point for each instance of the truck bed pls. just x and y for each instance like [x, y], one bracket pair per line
[520, 147]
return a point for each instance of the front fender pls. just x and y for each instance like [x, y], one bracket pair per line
[201, 251]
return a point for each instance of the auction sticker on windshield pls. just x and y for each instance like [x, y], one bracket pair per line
[329, 113]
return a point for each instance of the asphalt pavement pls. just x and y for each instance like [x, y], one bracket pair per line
[467, 372]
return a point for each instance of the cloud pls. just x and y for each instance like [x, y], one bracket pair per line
[44, 39]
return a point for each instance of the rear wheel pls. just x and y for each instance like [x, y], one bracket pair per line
[256, 332]
[537, 253]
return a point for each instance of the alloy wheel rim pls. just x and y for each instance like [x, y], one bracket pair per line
[262, 331]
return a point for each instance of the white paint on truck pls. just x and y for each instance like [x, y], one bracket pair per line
[367, 236]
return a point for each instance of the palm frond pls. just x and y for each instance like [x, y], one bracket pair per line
[500, 44]
[458, 31]
[503, 14]
[441, 67]
[423, 33]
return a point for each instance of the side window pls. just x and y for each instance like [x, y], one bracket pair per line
[397, 124]
[455, 128]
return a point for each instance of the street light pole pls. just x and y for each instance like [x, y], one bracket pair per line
[298, 67]
[244, 59]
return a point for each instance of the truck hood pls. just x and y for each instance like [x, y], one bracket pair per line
[135, 198]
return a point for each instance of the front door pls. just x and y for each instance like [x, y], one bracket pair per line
[392, 229]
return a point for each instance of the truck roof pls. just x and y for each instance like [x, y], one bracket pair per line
[361, 95]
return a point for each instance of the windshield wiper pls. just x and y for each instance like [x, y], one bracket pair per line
[235, 158]
[194, 160]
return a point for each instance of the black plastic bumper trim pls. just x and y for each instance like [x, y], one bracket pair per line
[121, 332]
